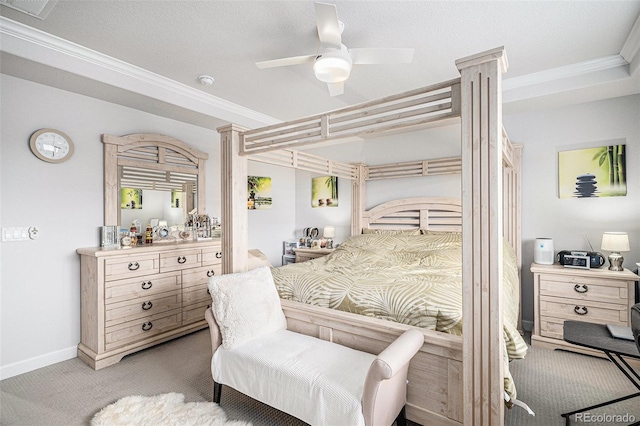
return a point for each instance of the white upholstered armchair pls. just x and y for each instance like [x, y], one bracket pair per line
[281, 368]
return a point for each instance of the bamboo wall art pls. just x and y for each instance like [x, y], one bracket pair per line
[593, 172]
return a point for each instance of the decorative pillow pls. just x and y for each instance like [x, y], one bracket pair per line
[391, 231]
[246, 305]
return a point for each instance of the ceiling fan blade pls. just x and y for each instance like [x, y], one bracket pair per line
[336, 89]
[367, 56]
[328, 26]
[283, 62]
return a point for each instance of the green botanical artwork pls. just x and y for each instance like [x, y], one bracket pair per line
[130, 198]
[176, 199]
[259, 189]
[592, 172]
[324, 191]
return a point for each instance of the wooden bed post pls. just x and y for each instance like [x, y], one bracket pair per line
[357, 199]
[481, 118]
[234, 215]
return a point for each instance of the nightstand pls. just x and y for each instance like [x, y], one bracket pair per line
[591, 295]
[304, 254]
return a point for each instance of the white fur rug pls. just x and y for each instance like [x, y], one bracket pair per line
[168, 409]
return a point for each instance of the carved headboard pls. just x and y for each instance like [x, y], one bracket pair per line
[431, 213]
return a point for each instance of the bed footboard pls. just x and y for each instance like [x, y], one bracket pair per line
[434, 393]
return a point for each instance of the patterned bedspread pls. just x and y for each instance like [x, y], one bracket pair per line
[410, 279]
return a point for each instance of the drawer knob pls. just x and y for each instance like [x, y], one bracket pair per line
[181, 259]
[581, 310]
[146, 285]
[211, 273]
[134, 266]
[581, 288]
[208, 291]
[218, 255]
[147, 326]
[147, 305]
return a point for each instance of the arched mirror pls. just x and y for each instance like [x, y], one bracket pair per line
[151, 177]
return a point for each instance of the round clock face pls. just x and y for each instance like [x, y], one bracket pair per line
[51, 145]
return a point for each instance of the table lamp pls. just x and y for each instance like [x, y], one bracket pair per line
[328, 233]
[615, 242]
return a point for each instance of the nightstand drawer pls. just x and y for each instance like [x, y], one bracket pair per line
[584, 289]
[580, 310]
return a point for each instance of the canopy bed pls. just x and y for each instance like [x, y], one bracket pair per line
[453, 379]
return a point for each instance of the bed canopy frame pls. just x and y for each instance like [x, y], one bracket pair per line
[472, 380]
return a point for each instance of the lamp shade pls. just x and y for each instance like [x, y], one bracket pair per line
[615, 241]
[329, 232]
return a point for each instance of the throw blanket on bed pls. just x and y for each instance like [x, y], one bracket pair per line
[410, 279]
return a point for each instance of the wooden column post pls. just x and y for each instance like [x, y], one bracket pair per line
[481, 116]
[234, 217]
[357, 199]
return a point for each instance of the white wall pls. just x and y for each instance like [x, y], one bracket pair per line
[40, 288]
[565, 220]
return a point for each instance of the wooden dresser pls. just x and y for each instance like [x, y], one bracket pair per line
[135, 298]
[592, 295]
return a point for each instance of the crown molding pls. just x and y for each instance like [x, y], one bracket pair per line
[631, 45]
[37, 46]
[567, 71]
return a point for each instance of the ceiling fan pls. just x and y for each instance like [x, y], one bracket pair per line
[333, 62]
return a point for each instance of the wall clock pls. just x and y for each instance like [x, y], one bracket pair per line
[51, 145]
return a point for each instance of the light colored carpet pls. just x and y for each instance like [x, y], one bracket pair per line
[71, 393]
[168, 409]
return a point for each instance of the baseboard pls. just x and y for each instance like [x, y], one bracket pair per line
[527, 325]
[34, 363]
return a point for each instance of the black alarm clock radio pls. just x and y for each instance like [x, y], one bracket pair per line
[580, 259]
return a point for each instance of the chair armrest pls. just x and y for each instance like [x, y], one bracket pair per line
[385, 387]
[216, 337]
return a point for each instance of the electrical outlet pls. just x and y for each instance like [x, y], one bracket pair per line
[33, 232]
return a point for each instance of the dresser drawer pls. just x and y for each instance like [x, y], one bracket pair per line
[199, 276]
[180, 259]
[581, 310]
[129, 310]
[196, 294]
[143, 328]
[141, 287]
[131, 266]
[211, 256]
[194, 312]
[582, 288]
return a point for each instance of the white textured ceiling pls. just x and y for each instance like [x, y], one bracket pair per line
[182, 39]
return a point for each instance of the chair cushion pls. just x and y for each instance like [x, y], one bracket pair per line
[316, 381]
[245, 305]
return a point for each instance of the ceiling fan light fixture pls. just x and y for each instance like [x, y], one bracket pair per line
[332, 67]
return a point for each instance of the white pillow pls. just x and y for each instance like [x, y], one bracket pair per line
[246, 305]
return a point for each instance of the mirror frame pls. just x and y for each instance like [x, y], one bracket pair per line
[148, 151]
